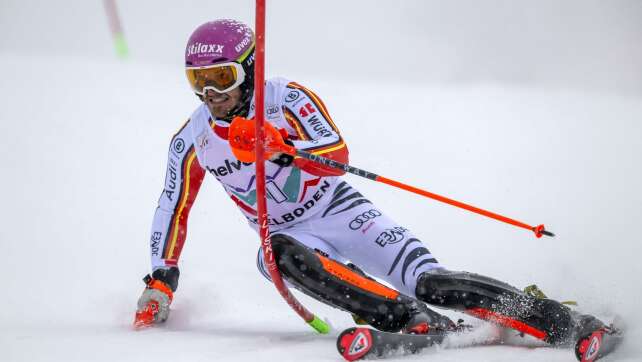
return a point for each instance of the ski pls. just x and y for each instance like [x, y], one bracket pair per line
[358, 343]
[364, 343]
[597, 344]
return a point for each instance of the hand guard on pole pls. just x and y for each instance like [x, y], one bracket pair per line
[242, 140]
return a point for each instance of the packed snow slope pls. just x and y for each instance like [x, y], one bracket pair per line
[83, 148]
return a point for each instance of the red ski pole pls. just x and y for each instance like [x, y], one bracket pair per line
[538, 230]
[266, 244]
[116, 28]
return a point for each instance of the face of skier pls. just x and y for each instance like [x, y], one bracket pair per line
[220, 104]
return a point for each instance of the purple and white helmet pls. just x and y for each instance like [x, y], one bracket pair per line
[219, 41]
[224, 41]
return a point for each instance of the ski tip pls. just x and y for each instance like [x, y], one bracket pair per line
[354, 343]
[587, 349]
[598, 344]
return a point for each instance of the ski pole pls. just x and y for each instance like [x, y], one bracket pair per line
[266, 244]
[538, 230]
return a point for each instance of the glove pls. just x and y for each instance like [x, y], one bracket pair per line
[153, 304]
[242, 140]
[283, 159]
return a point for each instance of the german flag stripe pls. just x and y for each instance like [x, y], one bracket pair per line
[296, 124]
[315, 149]
[193, 177]
[322, 108]
[317, 102]
[177, 232]
[329, 148]
[168, 232]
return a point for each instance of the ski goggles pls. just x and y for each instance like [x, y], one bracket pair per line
[220, 78]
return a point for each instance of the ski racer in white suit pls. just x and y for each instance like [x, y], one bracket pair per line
[316, 219]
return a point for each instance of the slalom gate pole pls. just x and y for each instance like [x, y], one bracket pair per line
[116, 28]
[266, 244]
[538, 230]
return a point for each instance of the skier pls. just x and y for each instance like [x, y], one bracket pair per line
[330, 241]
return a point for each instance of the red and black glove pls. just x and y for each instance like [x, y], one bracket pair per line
[153, 304]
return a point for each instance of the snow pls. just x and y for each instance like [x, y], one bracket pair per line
[83, 144]
[83, 157]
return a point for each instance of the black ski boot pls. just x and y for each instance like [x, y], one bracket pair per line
[498, 302]
[424, 320]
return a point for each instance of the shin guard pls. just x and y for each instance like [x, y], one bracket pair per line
[345, 288]
[498, 302]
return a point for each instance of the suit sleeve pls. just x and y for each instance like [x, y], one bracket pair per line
[183, 179]
[315, 131]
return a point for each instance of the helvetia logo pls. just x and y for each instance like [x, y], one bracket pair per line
[359, 344]
[200, 48]
[228, 168]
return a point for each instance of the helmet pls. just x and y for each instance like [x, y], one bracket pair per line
[226, 47]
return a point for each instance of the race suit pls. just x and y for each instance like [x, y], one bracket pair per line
[307, 201]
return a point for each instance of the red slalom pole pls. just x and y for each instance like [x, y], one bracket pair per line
[538, 230]
[116, 28]
[264, 232]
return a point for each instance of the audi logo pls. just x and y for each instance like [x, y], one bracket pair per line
[358, 221]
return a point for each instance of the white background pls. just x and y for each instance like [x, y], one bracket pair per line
[528, 108]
